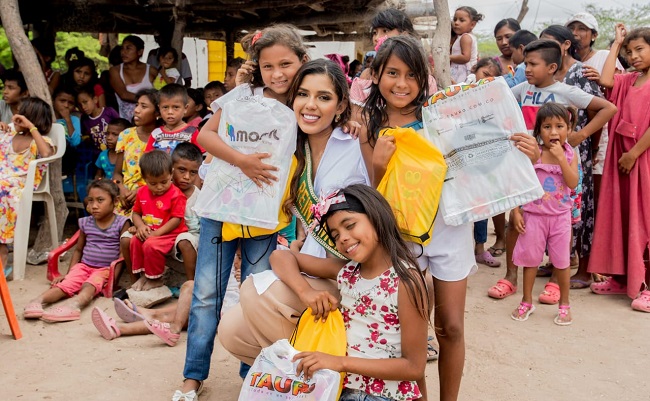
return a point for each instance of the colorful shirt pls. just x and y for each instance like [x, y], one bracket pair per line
[130, 144]
[557, 195]
[159, 82]
[96, 126]
[13, 173]
[158, 210]
[369, 308]
[166, 140]
[102, 244]
[104, 163]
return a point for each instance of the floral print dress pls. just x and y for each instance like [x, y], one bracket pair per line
[13, 174]
[369, 308]
[584, 229]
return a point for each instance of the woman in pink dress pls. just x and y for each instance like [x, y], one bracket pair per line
[622, 231]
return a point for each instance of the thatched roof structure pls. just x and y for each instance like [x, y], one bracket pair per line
[208, 19]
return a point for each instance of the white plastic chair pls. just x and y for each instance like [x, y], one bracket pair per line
[42, 194]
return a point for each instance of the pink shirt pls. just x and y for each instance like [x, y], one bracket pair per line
[557, 194]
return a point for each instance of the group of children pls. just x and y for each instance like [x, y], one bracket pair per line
[159, 166]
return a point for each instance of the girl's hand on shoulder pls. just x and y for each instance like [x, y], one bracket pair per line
[353, 128]
[320, 302]
[590, 73]
[527, 144]
[310, 362]
[256, 170]
[384, 150]
[626, 162]
[245, 72]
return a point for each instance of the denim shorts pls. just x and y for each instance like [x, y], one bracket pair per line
[349, 394]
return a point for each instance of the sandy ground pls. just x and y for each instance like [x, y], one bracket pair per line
[602, 356]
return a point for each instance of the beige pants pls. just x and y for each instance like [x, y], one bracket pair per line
[260, 320]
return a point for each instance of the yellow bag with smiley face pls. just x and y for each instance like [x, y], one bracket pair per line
[413, 182]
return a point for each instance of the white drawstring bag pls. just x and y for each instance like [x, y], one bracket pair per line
[250, 124]
[273, 377]
[471, 124]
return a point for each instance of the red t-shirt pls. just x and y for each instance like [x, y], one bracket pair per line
[167, 140]
[156, 211]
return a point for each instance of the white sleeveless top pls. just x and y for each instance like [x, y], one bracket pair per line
[126, 108]
[459, 72]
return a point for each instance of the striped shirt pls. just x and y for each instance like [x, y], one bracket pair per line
[102, 245]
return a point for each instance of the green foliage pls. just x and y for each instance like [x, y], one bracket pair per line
[636, 16]
[5, 51]
[487, 46]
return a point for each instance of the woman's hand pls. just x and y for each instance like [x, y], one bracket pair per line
[527, 144]
[245, 72]
[320, 302]
[590, 73]
[258, 172]
[310, 362]
[626, 162]
[4, 127]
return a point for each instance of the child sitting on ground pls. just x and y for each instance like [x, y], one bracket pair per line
[15, 90]
[97, 248]
[186, 161]
[167, 74]
[95, 120]
[106, 160]
[158, 216]
[20, 143]
[172, 105]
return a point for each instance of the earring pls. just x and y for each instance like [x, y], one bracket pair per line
[337, 118]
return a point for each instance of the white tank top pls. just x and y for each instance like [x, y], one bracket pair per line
[126, 108]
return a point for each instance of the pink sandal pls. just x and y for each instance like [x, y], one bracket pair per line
[502, 289]
[33, 310]
[608, 287]
[163, 331]
[642, 302]
[562, 315]
[523, 311]
[62, 313]
[551, 294]
[105, 324]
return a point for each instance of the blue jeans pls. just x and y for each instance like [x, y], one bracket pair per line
[356, 395]
[213, 265]
[480, 231]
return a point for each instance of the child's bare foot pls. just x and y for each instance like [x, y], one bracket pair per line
[138, 285]
[151, 284]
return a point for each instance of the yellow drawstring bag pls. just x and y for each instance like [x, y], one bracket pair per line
[327, 337]
[413, 182]
[231, 231]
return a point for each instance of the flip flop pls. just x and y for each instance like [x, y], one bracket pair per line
[61, 313]
[33, 310]
[432, 351]
[502, 289]
[487, 259]
[577, 284]
[129, 315]
[496, 252]
[163, 331]
[551, 294]
[105, 324]
[608, 287]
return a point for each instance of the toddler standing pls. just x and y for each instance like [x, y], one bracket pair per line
[464, 51]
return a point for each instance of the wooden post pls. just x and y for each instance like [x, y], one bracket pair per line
[180, 22]
[440, 43]
[37, 85]
[230, 45]
[522, 11]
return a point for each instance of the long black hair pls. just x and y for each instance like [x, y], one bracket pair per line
[367, 200]
[562, 34]
[410, 51]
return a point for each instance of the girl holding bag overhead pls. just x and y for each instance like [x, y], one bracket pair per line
[383, 297]
[231, 137]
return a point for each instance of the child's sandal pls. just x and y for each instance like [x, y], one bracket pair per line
[563, 317]
[523, 311]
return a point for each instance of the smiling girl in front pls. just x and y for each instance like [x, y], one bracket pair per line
[546, 222]
[383, 297]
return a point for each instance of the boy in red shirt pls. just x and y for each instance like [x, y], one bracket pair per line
[158, 217]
